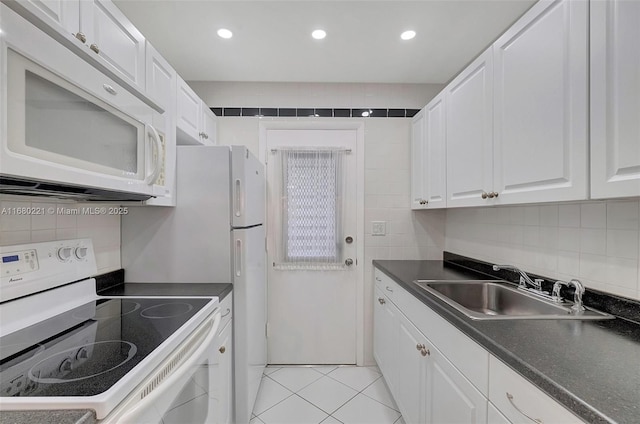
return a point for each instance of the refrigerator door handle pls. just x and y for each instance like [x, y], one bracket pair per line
[238, 197]
[238, 258]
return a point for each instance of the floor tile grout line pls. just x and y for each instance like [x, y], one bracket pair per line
[291, 394]
[385, 383]
[321, 375]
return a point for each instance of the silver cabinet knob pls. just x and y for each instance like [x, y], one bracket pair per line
[491, 195]
[495, 194]
[95, 48]
[204, 135]
[484, 195]
[348, 262]
[425, 352]
[222, 349]
[80, 36]
[419, 346]
[381, 300]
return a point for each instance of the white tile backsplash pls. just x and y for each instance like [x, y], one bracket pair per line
[597, 242]
[54, 224]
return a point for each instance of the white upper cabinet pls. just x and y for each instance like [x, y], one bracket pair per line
[428, 156]
[615, 102]
[196, 123]
[161, 88]
[417, 154]
[434, 156]
[469, 134]
[96, 30]
[540, 105]
[63, 14]
[114, 38]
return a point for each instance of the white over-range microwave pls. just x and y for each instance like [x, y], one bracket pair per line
[66, 129]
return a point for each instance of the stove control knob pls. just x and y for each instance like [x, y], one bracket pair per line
[81, 252]
[64, 253]
[82, 354]
[65, 366]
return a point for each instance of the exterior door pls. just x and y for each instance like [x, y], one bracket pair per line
[312, 309]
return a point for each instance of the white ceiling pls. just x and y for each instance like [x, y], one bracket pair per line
[272, 39]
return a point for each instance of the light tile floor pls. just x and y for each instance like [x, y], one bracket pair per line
[324, 394]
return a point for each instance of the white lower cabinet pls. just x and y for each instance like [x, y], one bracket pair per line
[412, 371]
[521, 402]
[494, 416]
[452, 398]
[454, 381]
[222, 369]
[425, 385]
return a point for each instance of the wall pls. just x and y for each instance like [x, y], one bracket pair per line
[596, 242]
[387, 160]
[103, 229]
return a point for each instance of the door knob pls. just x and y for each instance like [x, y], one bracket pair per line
[348, 262]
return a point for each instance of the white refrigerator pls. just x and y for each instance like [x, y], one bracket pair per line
[215, 234]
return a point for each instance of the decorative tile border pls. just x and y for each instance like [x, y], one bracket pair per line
[315, 112]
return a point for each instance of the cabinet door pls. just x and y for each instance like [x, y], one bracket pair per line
[64, 15]
[615, 104]
[115, 38]
[434, 175]
[209, 133]
[469, 132]
[385, 337]
[161, 88]
[495, 417]
[451, 398]
[540, 105]
[188, 113]
[412, 371]
[225, 384]
[417, 156]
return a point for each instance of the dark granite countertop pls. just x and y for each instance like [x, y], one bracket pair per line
[71, 416]
[591, 367]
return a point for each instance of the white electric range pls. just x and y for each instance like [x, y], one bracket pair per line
[130, 359]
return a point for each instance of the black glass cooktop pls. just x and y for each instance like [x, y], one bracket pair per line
[84, 351]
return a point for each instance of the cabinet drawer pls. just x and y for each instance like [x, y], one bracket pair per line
[386, 284]
[518, 399]
[226, 309]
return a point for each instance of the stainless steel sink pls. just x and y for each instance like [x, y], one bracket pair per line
[494, 300]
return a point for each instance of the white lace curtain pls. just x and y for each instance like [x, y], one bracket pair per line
[310, 188]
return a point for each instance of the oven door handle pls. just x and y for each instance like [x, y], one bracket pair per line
[132, 413]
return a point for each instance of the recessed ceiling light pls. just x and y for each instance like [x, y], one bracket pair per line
[408, 35]
[224, 33]
[318, 34]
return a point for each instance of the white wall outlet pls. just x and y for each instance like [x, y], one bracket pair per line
[378, 228]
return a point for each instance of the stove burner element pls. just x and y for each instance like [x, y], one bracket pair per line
[76, 362]
[166, 310]
[97, 313]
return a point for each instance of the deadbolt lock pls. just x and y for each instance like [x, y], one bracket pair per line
[349, 240]
[348, 262]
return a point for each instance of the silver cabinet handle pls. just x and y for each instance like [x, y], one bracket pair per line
[203, 135]
[228, 311]
[388, 289]
[535, 420]
[381, 301]
[109, 89]
[80, 36]
[95, 48]
[378, 279]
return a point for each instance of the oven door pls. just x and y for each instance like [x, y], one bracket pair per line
[181, 390]
[66, 122]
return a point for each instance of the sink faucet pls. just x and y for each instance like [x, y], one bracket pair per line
[577, 294]
[524, 278]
